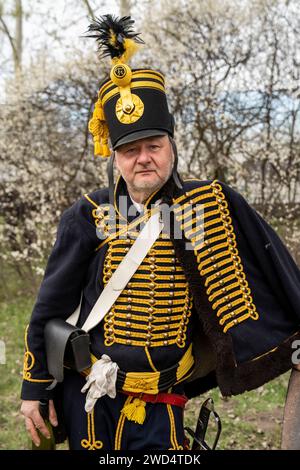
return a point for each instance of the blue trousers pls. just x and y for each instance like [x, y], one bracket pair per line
[106, 428]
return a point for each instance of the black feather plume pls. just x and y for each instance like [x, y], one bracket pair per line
[110, 33]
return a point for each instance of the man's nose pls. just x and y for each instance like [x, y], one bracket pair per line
[144, 156]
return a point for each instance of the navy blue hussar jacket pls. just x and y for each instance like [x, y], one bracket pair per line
[245, 289]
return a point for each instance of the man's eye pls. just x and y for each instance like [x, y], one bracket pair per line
[154, 147]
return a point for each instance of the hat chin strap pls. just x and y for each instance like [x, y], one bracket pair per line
[110, 172]
[175, 174]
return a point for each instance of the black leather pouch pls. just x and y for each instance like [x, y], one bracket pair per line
[66, 346]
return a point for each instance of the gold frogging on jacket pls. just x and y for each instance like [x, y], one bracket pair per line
[155, 307]
[218, 257]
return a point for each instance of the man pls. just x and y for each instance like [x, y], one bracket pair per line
[215, 300]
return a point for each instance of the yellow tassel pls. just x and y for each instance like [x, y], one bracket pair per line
[98, 148]
[135, 411]
[101, 148]
[105, 151]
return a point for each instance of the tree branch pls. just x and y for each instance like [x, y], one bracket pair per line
[89, 8]
[10, 38]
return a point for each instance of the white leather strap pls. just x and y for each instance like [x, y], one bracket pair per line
[73, 319]
[123, 273]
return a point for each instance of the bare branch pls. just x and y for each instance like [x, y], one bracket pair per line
[89, 8]
[9, 36]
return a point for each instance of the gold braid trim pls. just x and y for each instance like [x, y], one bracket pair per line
[148, 382]
[128, 228]
[218, 257]
[29, 362]
[120, 426]
[173, 437]
[91, 443]
[150, 359]
[155, 313]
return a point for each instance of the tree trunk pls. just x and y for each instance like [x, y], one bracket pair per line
[18, 38]
[125, 7]
[291, 420]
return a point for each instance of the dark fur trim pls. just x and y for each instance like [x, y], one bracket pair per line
[253, 374]
[199, 386]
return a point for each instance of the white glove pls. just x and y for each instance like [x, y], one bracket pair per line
[100, 381]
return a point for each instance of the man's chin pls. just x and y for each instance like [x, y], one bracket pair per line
[147, 183]
[141, 185]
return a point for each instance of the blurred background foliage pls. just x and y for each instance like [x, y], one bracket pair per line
[232, 70]
[232, 73]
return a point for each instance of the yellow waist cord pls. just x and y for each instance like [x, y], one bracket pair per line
[148, 382]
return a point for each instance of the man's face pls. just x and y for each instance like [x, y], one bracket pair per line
[145, 164]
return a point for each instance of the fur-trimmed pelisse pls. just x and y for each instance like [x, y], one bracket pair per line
[246, 355]
[237, 361]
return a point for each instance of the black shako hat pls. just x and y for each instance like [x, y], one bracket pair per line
[132, 104]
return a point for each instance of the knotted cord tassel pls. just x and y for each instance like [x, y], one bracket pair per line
[98, 128]
[135, 411]
[98, 149]
[105, 150]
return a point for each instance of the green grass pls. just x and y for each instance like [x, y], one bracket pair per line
[250, 421]
[13, 319]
